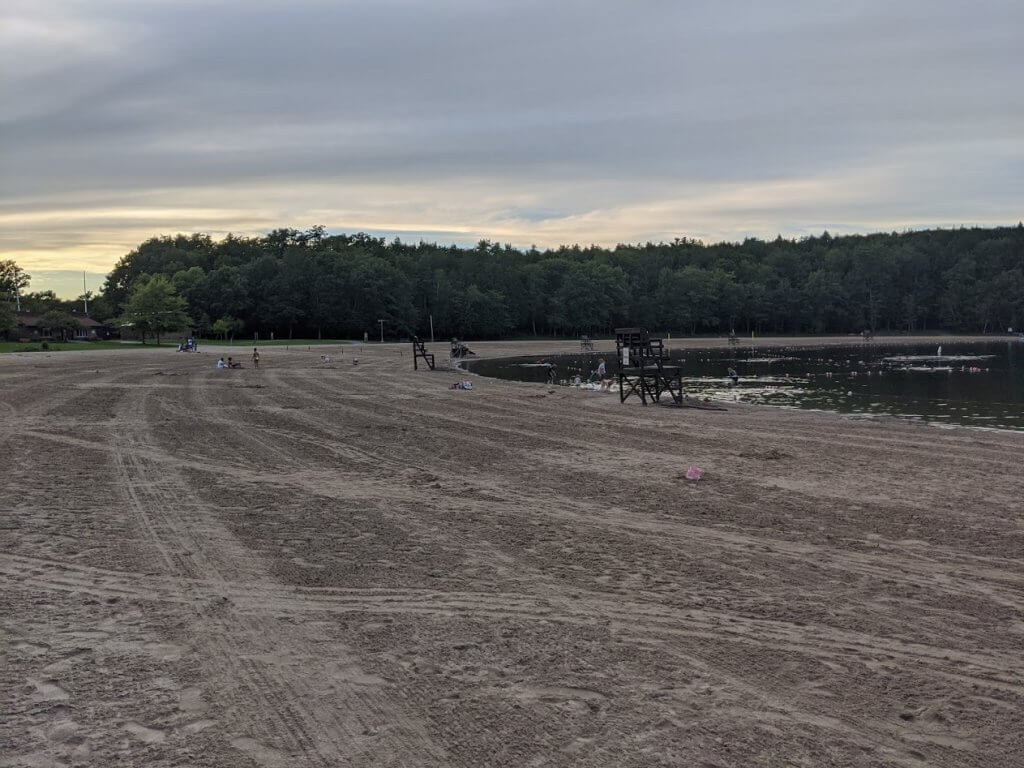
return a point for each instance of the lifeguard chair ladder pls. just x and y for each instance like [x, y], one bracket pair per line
[418, 351]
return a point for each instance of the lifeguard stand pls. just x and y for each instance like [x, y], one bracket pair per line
[418, 351]
[643, 369]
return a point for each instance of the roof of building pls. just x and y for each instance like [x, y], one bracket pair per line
[31, 320]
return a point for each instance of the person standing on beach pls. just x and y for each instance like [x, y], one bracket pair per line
[255, 358]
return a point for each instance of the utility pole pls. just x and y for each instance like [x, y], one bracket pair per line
[17, 290]
[431, 328]
[381, 331]
[85, 294]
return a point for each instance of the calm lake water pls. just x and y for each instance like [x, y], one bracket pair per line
[978, 385]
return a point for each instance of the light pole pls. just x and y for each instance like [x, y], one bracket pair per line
[381, 331]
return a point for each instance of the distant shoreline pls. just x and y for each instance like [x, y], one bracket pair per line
[491, 349]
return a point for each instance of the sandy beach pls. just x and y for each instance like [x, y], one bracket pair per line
[355, 565]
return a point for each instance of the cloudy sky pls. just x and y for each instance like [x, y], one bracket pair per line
[524, 121]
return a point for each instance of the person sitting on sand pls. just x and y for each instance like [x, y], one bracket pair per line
[233, 364]
[221, 363]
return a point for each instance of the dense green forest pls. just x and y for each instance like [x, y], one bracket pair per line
[304, 283]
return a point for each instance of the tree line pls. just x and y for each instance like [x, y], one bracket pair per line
[300, 283]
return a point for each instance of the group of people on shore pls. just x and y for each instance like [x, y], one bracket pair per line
[232, 363]
[599, 375]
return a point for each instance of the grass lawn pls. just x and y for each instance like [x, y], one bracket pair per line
[269, 343]
[75, 346]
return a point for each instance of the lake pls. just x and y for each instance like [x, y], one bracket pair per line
[969, 384]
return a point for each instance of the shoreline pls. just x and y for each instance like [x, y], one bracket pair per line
[499, 350]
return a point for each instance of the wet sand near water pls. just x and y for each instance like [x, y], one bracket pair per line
[308, 565]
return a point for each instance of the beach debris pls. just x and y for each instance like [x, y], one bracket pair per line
[693, 474]
[464, 384]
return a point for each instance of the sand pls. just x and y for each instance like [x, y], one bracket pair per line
[357, 566]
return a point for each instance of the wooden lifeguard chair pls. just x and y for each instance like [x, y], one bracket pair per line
[643, 367]
[418, 351]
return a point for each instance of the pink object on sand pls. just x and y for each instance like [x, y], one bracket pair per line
[694, 473]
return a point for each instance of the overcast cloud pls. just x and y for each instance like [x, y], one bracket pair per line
[527, 122]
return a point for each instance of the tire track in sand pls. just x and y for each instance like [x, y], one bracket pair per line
[281, 667]
[647, 619]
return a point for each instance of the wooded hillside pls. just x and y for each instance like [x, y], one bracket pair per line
[308, 283]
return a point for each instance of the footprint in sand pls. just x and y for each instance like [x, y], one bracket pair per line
[64, 732]
[32, 649]
[64, 664]
[144, 734]
[265, 756]
[191, 700]
[581, 699]
[198, 725]
[163, 651]
[48, 690]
